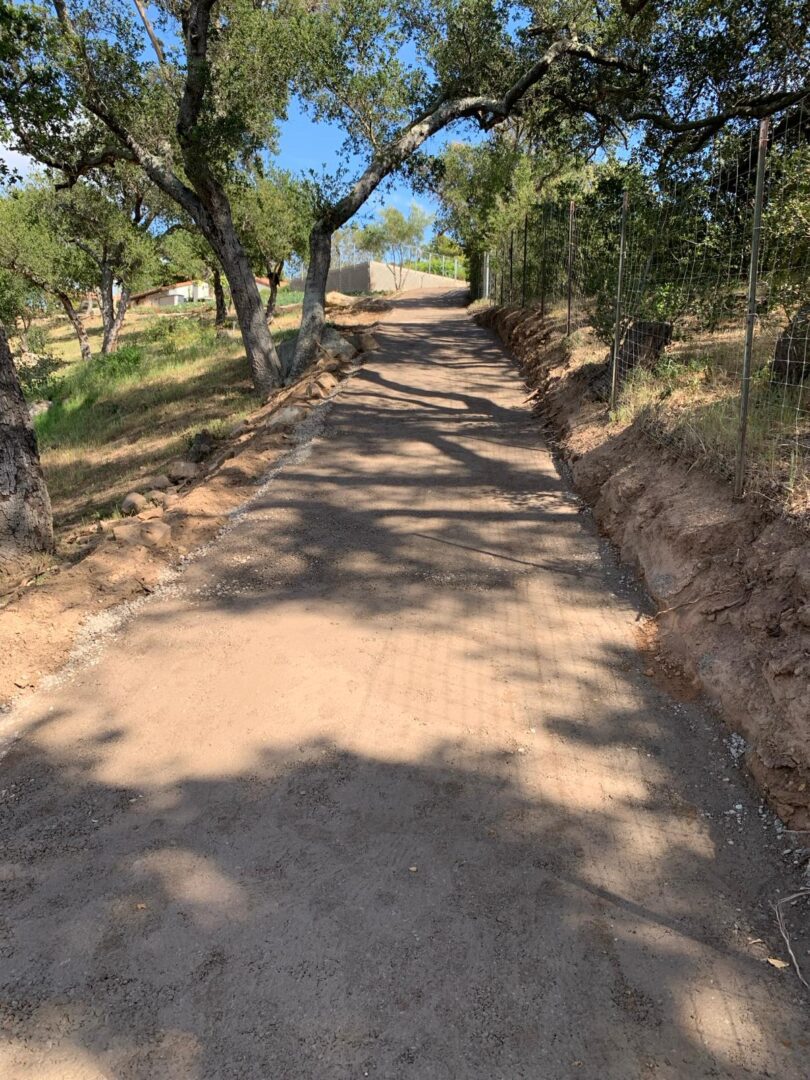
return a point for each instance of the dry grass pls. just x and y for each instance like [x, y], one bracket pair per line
[109, 427]
[120, 419]
[691, 399]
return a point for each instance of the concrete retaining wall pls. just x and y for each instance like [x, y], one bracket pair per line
[378, 277]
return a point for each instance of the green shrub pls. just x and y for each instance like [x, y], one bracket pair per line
[38, 340]
[124, 361]
[176, 334]
[37, 378]
[159, 330]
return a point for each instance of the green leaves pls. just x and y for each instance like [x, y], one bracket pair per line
[394, 231]
[274, 213]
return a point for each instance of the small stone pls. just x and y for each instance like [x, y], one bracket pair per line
[157, 497]
[155, 483]
[285, 419]
[151, 513]
[413, 869]
[133, 503]
[181, 470]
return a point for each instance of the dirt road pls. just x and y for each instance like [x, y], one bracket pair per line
[379, 788]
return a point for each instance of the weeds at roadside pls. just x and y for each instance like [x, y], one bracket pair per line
[119, 416]
[692, 402]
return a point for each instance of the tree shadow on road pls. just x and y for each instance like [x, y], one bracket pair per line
[329, 914]
[478, 908]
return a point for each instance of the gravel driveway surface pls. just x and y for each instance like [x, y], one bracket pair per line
[379, 788]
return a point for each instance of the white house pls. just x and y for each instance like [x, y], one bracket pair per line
[171, 295]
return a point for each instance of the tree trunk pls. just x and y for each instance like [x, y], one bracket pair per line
[219, 297]
[313, 315]
[274, 277]
[111, 337]
[22, 327]
[261, 352]
[107, 305]
[78, 325]
[26, 524]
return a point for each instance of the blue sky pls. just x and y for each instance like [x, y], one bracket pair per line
[307, 145]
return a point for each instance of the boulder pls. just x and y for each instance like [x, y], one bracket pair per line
[367, 342]
[37, 408]
[286, 350]
[791, 358]
[315, 390]
[181, 470]
[335, 344]
[151, 513]
[126, 533]
[133, 503]
[155, 483]
[327, 381]
[328, 363]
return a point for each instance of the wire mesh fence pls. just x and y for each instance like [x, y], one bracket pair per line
[697, 286]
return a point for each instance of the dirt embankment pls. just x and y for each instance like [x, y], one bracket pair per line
[122, 559]
[732, 580]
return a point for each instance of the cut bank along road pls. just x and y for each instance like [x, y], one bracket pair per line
[381, 790]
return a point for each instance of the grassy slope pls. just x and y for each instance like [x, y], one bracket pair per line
[121, 418]
[690, 400]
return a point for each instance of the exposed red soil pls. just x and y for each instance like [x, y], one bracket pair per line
[731, 579]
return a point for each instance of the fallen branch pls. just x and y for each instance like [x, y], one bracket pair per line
[780, 922]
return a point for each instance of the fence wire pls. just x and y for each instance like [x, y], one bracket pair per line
[675, 333]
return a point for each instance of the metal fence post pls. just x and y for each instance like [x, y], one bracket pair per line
[511, 261]
[525, 251]
[543, 265]
[617, 329]
[571, 212]
[756, 232]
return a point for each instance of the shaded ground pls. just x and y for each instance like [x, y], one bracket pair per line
[730, 578]
[381, 789]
